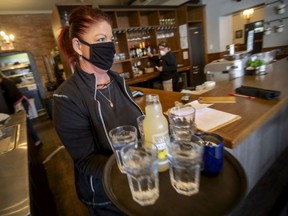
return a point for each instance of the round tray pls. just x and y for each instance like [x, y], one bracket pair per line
[218, 195]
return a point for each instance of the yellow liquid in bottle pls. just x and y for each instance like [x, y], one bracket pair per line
[156, 132]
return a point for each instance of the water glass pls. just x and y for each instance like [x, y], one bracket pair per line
[181, 132]
[120, 137]
[182, 121]
[185, 159]
[141, 167]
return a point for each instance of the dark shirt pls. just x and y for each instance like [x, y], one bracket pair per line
[10, 93]
[169, 64]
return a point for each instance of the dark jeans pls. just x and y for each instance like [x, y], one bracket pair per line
[108, 209]
[175, 83]
[42, 201]
[90, 190]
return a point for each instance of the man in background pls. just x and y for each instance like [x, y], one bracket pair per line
[167, 66]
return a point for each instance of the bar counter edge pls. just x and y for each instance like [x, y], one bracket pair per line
[259, 138]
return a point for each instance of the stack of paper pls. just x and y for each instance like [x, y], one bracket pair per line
[208, 119]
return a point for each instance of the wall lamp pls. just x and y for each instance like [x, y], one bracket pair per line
[248, 13]
[6, 41]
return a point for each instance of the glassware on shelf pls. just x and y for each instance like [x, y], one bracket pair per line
[138, 34]
[165, 32]
[167, 21]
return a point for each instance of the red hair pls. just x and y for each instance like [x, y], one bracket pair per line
[80, 19]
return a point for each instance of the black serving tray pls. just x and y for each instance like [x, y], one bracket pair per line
[218, 195]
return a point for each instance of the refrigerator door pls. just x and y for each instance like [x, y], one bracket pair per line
[197, 54]
[20, 66]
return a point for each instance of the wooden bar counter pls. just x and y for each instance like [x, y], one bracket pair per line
[149, 76]
[259, 137]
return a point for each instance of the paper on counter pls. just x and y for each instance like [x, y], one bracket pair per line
[197, 105]
[208, 119]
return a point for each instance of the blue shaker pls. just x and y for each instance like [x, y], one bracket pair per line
[213, 154]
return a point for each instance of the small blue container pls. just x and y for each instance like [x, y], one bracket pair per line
[213, 155]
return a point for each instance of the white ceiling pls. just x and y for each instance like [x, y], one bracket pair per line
[10, 6]
[26, 5]
[45, 6]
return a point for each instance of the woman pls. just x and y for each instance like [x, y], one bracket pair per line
[167, 66]
[90, 103]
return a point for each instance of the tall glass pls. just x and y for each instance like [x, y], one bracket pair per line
[141, 167]
[185, 159]
[182, 122]
[120, 137]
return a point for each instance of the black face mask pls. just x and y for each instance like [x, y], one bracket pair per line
[101, 54]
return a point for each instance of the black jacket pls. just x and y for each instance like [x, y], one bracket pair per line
[169, 64]
[78, 120]
[10, 93]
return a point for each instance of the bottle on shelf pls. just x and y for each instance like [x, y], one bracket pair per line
[144, 50]
[148, 47]
[156, 130]
[132, 52]
[139, 50]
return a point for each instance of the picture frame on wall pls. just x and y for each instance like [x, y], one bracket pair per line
[238, 34]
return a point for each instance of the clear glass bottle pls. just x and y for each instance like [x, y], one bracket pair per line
[156, 131]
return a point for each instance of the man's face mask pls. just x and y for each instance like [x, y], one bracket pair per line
[162, 52]
[101, 54]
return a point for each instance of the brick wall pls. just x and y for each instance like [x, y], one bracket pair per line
[33, 32]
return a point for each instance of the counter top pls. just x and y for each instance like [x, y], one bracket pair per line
[143, 78]
[148, 76]
[14, 181]
[254, 113]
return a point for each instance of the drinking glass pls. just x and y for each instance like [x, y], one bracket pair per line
[185, 159]
[181, 132]
[182, 121]
[141, 167]
[120, 137]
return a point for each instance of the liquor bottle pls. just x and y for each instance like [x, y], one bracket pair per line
[144, 50]
[155, 127]
[132, 52]
[148, 47]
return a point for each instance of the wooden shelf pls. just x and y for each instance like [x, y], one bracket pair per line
[194, 21]
[151, 21]
[14, 67]
[21, 75]
[142, 78]
[139, 21]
